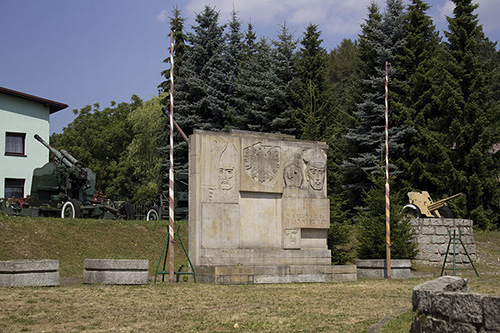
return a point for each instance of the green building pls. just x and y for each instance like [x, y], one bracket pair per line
[21, 117]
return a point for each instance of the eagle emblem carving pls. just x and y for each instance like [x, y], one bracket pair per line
[262, 163]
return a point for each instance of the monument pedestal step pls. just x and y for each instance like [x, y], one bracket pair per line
[258, 257]
[275, 274]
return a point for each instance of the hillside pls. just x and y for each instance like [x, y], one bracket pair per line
[71, 241]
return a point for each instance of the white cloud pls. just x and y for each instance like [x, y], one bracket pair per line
[163, 16]
[341, 18]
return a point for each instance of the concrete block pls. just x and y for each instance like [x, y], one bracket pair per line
[29, 273]
[115, 271]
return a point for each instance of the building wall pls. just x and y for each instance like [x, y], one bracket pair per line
[18, 115]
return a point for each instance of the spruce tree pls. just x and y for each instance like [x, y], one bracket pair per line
[180, 50]
[284, 52]
[418, 64]
[372, 224]
[382, 39]
[467, 117]
[258, 91]
[310, 93]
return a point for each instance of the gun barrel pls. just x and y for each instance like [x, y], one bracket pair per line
[69, 157]
[56, 153]
[441, 203]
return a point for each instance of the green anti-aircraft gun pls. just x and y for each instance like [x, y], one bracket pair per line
[66, 188]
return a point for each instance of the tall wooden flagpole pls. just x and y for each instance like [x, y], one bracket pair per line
[387, 200]
[171, 171]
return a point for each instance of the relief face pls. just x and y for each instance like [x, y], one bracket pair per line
[224, 175]
[315, 160]
[305, 175]
[293, 174]
[262, 163]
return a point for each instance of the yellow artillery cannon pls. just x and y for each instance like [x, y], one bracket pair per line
[421, 205]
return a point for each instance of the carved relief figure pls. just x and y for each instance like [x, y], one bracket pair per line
[315, 160]
[226, 190]
[292, 174]
[262, 163]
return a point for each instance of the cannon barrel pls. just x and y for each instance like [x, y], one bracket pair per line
[56, 153]
[441, 203]
[69, 157]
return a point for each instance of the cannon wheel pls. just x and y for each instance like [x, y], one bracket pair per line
[71, 209]
[153, 214]
[127, 211]
[411, 211]
[445, 212]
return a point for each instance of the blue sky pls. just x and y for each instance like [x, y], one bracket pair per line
[82, 52]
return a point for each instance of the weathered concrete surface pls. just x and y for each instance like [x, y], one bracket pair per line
[257, 199]
[274, 274]
[446, 305]
[376, 268]
[29, 273]
[115, 271]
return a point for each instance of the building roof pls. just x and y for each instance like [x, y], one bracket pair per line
[53, 105]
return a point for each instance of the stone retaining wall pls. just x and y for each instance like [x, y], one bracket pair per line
[115, 271]
[29, 273]
[446, 305]
[432, 238]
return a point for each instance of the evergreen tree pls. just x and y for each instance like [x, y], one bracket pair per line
[258, 91]
[249, 46]
[372, 223]
[465, 103]
[382, 39]
[284, 53]
[200, 99]
[310, 93]
[233, 57]
[180, 49]
[425, 155]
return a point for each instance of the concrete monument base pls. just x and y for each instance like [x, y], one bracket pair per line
[115, 271]
[29, 273]
[274, 274]
[376, 268]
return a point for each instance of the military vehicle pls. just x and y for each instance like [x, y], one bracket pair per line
[65, 188]
[181, 187]
[421, 205]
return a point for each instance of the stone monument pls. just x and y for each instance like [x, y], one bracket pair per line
[258, 209]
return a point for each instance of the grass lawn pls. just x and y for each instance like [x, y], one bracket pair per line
[331, 307]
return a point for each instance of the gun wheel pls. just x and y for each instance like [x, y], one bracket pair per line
[411, 211]
[153, 214]
[71, 209]
[445, 212]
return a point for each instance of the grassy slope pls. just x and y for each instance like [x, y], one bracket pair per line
[349, 307]
[71, 241]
